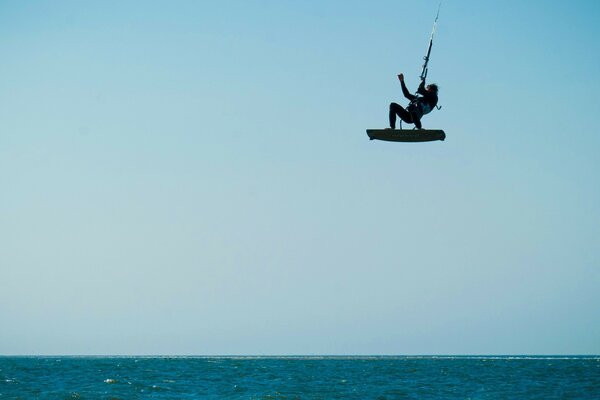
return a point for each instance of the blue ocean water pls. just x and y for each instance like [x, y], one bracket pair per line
[300, 378]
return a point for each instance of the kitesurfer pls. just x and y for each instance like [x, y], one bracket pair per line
[419, 105]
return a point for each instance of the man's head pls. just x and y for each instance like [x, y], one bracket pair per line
[432, 88]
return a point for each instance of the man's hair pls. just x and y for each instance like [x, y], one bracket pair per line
[434, 87]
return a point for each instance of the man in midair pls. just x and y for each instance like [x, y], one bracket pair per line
[419, 105]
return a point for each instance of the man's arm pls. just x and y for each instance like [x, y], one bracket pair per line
[421, 89]
[430, 97]
[405, 91]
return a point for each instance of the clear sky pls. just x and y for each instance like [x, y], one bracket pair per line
[194, 177]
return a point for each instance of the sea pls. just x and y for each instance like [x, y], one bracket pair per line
[380, 378]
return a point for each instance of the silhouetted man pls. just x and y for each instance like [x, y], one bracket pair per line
[419, 105]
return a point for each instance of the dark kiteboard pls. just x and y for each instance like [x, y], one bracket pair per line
[406, 135]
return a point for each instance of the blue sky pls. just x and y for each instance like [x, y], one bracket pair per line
[194, 177]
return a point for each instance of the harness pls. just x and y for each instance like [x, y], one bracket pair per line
[418, 107]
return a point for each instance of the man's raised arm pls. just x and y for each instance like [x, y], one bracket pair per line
[405, 91]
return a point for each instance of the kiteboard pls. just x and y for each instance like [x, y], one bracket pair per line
[406, 135]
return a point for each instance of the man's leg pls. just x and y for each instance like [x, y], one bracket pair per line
[417, 123]
[397, 109]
